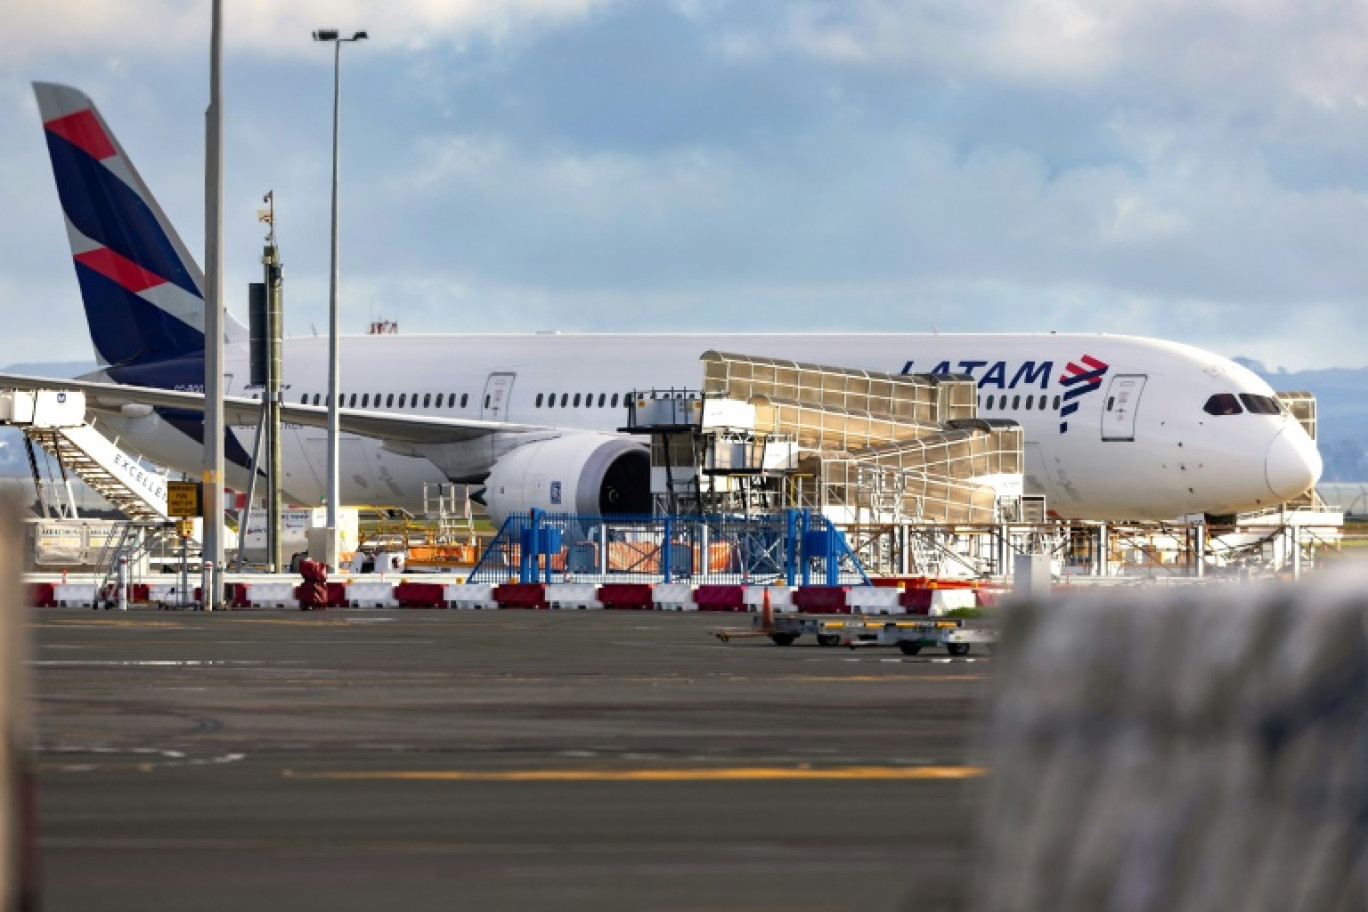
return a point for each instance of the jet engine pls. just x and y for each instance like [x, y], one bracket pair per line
[585, 473]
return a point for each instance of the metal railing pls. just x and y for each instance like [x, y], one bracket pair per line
[796, 546]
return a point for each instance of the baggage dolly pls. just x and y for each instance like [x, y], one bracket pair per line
[957, 635]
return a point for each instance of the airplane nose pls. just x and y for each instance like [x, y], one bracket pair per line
[1294, 464]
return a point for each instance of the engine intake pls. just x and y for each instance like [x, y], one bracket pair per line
[576, 473]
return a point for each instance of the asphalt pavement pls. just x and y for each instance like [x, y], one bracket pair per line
[521, 760]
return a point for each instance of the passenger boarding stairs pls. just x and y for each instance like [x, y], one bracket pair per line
[55, 420]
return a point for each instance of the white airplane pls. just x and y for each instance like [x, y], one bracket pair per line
[1116, 427]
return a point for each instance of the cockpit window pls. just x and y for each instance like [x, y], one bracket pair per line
[1222, 404]
[1261, 405]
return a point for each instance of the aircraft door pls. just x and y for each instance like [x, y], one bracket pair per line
[1121, 406]
[498, 389]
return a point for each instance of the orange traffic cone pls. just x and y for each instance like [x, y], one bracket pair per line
[766, 614]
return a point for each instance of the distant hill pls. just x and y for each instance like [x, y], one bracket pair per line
[1341, 411]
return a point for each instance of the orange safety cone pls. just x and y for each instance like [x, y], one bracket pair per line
[766, 614]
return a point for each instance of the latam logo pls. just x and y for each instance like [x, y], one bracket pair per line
[1077, 381]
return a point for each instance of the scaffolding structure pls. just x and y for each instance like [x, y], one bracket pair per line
[861, 447]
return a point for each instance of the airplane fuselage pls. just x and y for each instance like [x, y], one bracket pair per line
[1116, 427]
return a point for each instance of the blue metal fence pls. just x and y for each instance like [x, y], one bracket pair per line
[797, 546]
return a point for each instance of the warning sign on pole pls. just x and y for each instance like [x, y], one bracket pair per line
[184, 499]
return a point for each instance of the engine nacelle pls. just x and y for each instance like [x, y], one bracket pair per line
[585, 473]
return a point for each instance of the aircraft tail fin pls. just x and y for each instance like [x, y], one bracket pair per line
[142, 290]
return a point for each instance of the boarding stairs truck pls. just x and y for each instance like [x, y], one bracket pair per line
[56, 421]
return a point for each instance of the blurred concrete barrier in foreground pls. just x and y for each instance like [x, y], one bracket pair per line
[18, 823]
[1181, 750]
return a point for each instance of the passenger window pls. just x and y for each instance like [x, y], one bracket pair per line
[427, 399]
[1029, 401]
[1222, 404]
[1261, 405]
[577, 400]
[1016, 402]
[438, 403]
[389, 401]
[615, 397]
[486, 400]
[402, 398]
[304, 400]
[602, 398]
[539, 400]
[565, 398]
[988, 403]
[365, 400]
[465, 397]
[317, 398]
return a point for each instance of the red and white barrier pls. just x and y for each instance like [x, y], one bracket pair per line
[781, 598]
[872, 600]
[378, 594]
[271, 595]
[572, 595]
[677, 596]
[470, 596]
[673, 597]
[74, 595]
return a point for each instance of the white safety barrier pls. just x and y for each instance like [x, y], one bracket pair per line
[169, 594]
[271, 595]
[469, 595]
[74, 594]
[781, 598]
[1180, 749]
[572, 595]
[673, 597]
[874, 600]
[375, 594]
[945, 600]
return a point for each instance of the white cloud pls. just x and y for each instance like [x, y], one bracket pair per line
[1313, 52]
[176, 29]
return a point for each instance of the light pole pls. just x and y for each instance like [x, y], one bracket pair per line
[333, 380]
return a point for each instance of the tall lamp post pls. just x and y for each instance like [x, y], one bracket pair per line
[333, 383]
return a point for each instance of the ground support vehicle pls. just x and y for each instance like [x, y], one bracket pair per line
[957, 635]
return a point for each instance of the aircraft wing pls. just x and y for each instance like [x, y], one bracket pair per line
[239, 410]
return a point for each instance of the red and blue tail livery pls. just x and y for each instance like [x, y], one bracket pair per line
[141, 289]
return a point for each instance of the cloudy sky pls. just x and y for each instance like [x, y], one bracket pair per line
[1191, 169]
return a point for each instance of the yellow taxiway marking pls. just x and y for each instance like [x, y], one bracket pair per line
[105, 622]
[730, 774]
[138, 623]
[860, 679]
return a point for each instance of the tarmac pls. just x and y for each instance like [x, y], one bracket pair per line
[521, 760]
